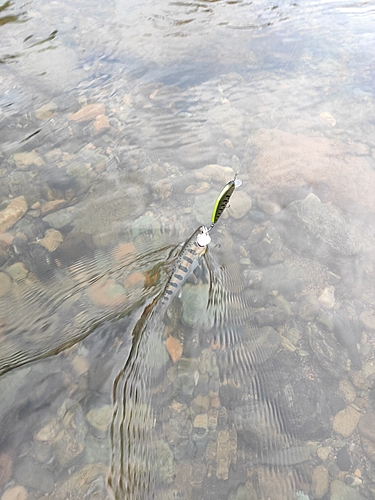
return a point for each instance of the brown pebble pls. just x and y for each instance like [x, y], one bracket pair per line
[6, 467]
[7, 238]
[174, 348]
[124, 253]
[345, 421]
[80, 365]
[106, 292]
[88, 113]
[15, 493]
[5, 284]
[51, 206]
[100, 167]
[135, 279]
[12, 213]
[101, 123]
[203, 187]
[215, 402]
[153, 95]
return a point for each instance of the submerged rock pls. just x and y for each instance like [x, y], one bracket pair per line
[6, 467]
[320, 229]
[30, 474]
[25, 160]
[226, 452]
[345, 421]
[70, 441]
[240, 204]
[333, 168]
[52, 240]
[331, 356]
[82, 481]
[194, 303]
[290, 456]
[320, 481]
[346, 336]
[15, 493]
[5, 284]
[100, 419]
[88, 112]
[366, 428]
[12, 213]
[340, 491]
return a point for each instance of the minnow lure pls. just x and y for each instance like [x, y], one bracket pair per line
[187, 261]
[223, 199]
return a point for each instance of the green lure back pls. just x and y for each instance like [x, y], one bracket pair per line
[223, 199]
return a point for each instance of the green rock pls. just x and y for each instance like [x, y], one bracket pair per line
[244, 493]
[100, 419]
[194, 303]
[17, 271]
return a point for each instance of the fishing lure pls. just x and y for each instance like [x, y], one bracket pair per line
[223, 199]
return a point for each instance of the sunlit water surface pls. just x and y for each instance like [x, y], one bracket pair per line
[120, 123]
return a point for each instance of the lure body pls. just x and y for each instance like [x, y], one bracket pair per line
[186, 262]
[223, 199]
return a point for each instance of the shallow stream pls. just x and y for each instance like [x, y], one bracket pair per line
[120, 123]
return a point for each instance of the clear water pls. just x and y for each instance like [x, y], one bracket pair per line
[252, 384]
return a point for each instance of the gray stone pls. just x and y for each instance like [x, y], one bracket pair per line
[287, 277]
[240, 204]
[78, 485]
[340, 491]
[10, 383]
[366, 428]
[203, 205]
[70, 441]
[331, 356]
[31, 475]
[320, 229]
[60, 218]
[320, 481]
[194, 303]
[97, 450]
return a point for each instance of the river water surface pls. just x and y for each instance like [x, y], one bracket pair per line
[120, 123]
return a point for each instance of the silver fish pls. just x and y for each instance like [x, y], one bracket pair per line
[186, 262]
[134, 470]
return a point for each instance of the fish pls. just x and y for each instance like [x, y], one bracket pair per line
[223, 199]
[186, 262]
[134, 471]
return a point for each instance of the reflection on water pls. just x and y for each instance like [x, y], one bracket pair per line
[120, 124]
